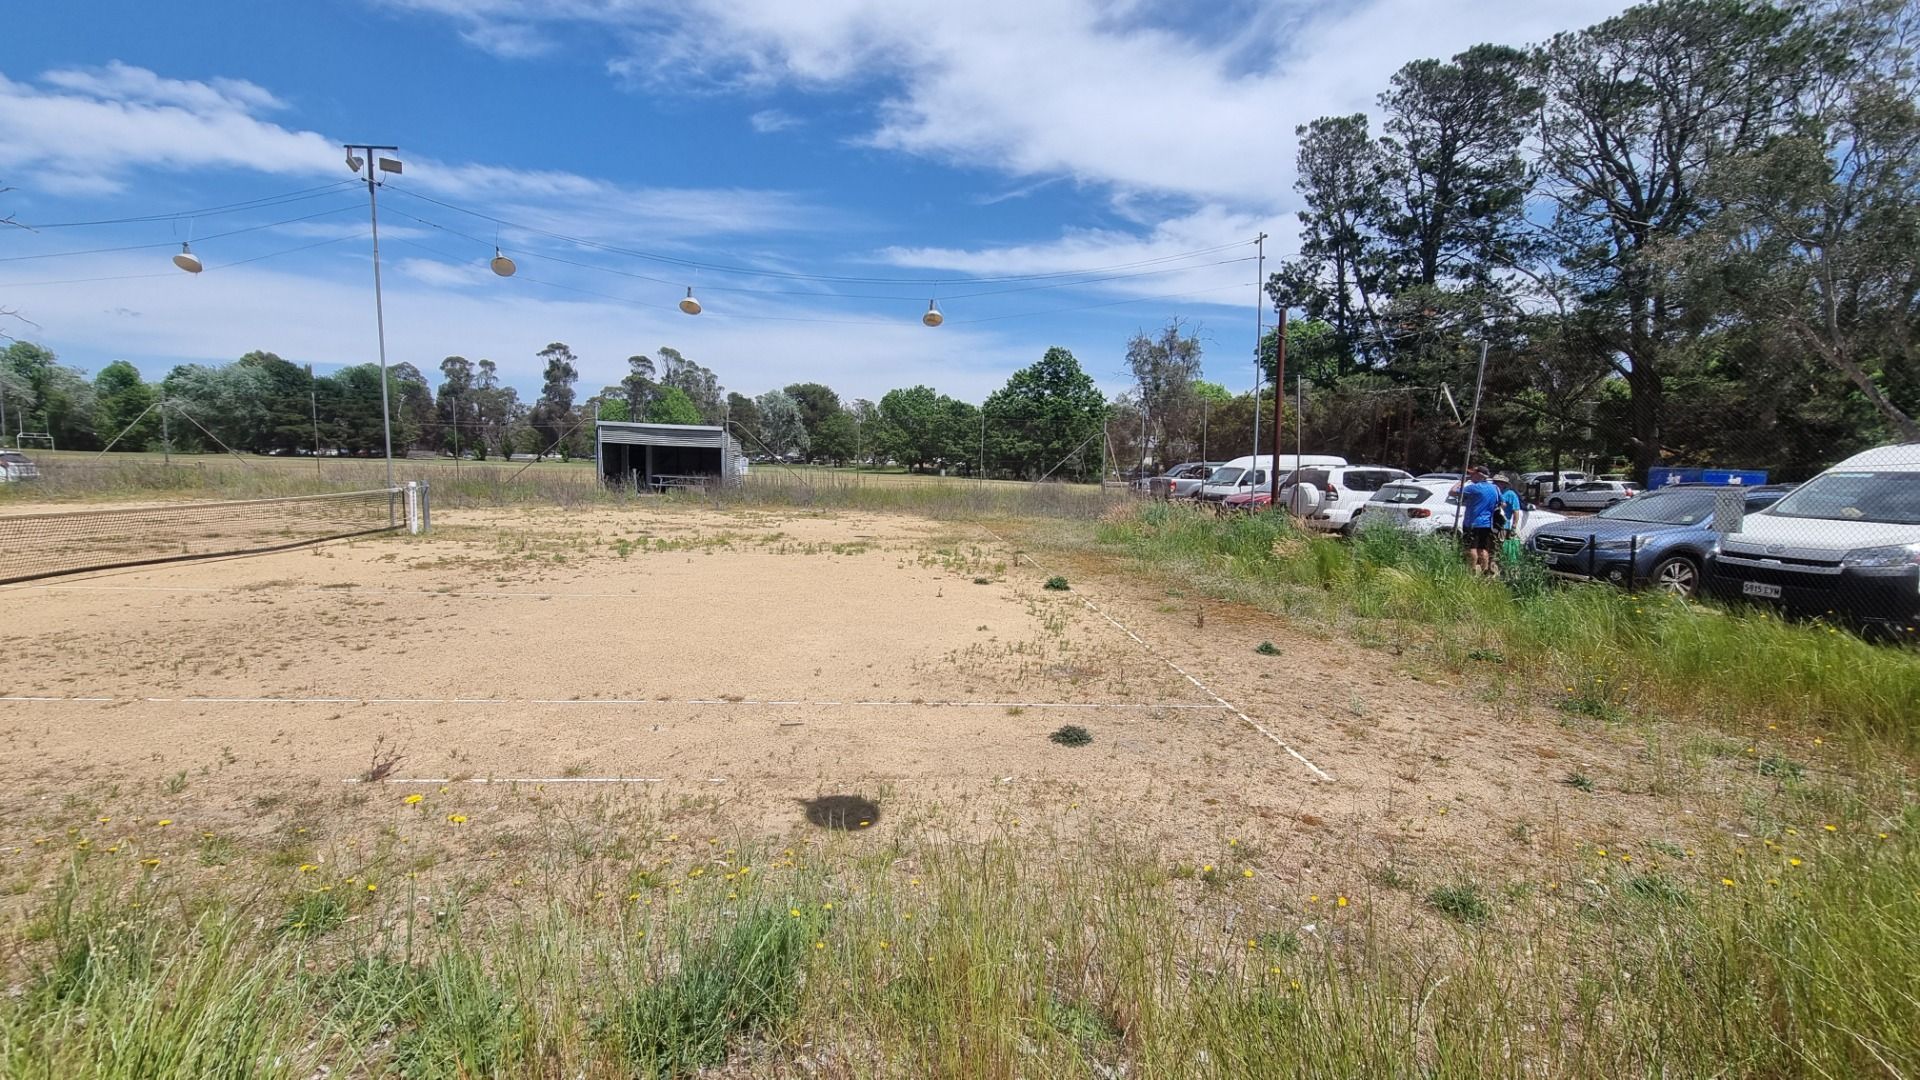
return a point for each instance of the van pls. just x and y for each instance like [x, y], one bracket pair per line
[1246, 474]
[1845, 544]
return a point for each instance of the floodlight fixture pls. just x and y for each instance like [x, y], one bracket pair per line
[690, 305]
[391, 165]
[933, 316]
[501, 264]
[187, 260]
[354, 162]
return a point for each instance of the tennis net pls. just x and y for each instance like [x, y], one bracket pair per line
[45, 545]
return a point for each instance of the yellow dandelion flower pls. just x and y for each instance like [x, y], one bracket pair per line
[1314, 899]
[163, 823]
[1773, 881]
[1246, 873]
[1231, 842]
[819, 944]
[308, 868]
[864, 824]
[1883, 836]
[1793, 862]
[150, 862]
[828, 906]
[1793, 832]
[371, 887]
[885, 945]
[1207, 869]
[1831, 828]
[1626, 858]
[1342, 902]
[633, 896]
[1727, 881]
[1295, 984]
[104, 820]
[1602, 851]
[1273, 971]
[456, 819]
[795, 912]
[1817, 742]
[1252, 944]
[1442, 811]
[908, 916]
[413, 799]
[515, 881]
[733, 896]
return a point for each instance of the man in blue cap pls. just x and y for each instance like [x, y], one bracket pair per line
[1478, 497]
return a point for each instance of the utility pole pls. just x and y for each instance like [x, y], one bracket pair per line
[1279, 401]
[166, 436]
[372, 168]
[1259, 332]
[313, 407]
[1473, 418]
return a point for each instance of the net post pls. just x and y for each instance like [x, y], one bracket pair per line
[426, 506]
[413, 506]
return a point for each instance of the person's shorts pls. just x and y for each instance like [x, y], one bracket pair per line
[1480, 539]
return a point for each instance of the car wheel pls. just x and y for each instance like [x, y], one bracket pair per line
[1676, 576]
[1556, 504]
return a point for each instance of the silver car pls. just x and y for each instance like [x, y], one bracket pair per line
[17, 466]
[1182, 481]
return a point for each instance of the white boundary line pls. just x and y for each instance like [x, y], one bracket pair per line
[619, 702]
[1222, 703]
[423, 781]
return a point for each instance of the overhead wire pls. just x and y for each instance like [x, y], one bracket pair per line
[281, 199]
[762, 272]
[171, 243]
[212, 268]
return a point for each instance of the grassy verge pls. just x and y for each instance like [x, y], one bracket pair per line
[919, 957]
[1608, 652]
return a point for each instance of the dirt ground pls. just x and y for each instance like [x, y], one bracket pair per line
[743, 661]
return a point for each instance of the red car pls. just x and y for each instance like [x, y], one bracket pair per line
[1247, 501]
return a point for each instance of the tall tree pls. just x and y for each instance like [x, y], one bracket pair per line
[123, 407]
[639, 385]
[457, 408]
[553, 414]
[1164, 368]
[782, 425]
[816, 402]
[699, 384]
[673, 406]
[1337, 276]
[1451, 161]
[745, 417]
[1637, 110]
[1045, 413]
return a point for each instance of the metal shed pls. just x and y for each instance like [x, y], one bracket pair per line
[656, 457]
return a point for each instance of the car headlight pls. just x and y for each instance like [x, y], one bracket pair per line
[1895, 555]
[1623, 544]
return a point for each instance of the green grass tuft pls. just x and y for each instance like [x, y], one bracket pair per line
[1071, 735]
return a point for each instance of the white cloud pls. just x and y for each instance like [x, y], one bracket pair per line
[1101, 92]
[87, 132]
[768, 121]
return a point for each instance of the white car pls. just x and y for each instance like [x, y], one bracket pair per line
[1845, 543]
[1591, 495]
[1432, 507]
[1245, 475]
[17, 466]
[1325, 498]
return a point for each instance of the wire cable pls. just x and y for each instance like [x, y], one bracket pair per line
[175, 273]
[171, 243]
[209, 211]
[845, 280]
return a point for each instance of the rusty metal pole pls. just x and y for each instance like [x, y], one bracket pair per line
[1279, 403]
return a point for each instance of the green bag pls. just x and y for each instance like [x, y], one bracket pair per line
[1510, 551]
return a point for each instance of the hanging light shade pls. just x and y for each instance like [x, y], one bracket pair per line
[933, 316]
[501, 264]
[187, 260]
[690, 305]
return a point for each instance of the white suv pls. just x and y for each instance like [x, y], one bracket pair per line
[1845, 543]
[1325, 498]
[16, 466]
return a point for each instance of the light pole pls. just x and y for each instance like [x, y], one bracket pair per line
[366, 163]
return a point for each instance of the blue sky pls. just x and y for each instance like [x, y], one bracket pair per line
[762, 152]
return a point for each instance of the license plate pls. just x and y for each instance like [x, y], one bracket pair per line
[1553, 560]
[1760, 589]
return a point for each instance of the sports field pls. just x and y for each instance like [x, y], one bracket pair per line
[641, 787]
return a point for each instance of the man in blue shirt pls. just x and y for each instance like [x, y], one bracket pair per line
[1478, 497]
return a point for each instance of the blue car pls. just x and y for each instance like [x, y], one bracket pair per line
[1660, 539]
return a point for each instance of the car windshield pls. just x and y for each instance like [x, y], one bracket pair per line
[1665, 508]
[17, 459]
[1225, 476]
[1402, 494]
[1886, 498]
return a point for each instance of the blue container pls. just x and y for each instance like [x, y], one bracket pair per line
[1660, 477]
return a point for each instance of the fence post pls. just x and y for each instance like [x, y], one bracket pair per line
[413, 506]
[426, 506]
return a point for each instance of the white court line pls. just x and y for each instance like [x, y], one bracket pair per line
[1204, 688]
[614, 702]
[422, 781]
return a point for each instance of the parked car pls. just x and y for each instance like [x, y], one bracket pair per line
[1245, 474]
[1432, 507]
[1660, 539]
[1846, 543]
[1181, 481]
[15, 466]
[1590, 495]
[1324, 498]
[1535, 486]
